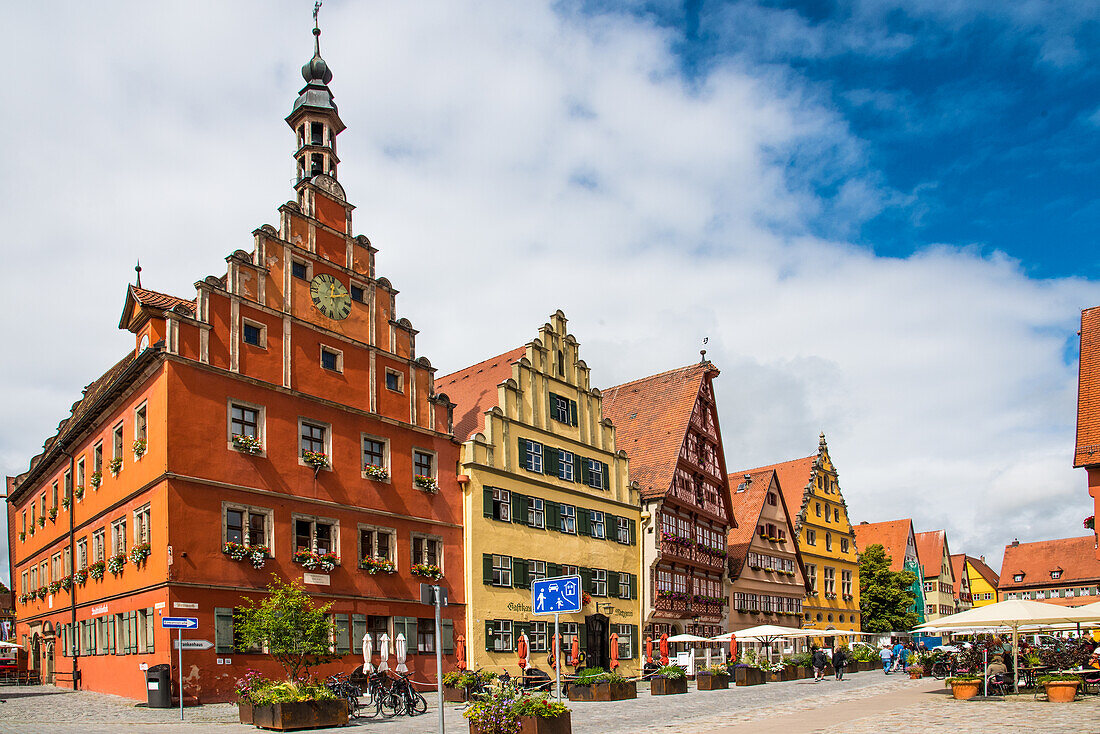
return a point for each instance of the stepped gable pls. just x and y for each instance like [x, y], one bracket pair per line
[651, 417]
[892, 535]
[474, 390]
[930, 552]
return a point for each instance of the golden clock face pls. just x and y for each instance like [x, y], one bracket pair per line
[330, 296]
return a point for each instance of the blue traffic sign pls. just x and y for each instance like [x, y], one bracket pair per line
[179, 623]
[559, 595]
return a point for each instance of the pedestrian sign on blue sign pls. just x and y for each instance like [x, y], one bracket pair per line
[559, 595]
[179, 623]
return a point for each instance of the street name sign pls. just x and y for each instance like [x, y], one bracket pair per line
[179, 623]
[558, 595]
[193, 644]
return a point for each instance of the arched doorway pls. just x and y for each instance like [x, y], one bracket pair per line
[48, 660]
[34, 655]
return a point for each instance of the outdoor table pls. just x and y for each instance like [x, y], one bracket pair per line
[1029, 672]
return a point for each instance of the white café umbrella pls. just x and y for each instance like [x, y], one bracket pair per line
[765, 633]
[401, 648]
[1014, 614]
[367, 653]
[384, 652]
[689, 638]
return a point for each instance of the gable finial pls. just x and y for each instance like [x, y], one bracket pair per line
[137, 269]
[703, 352]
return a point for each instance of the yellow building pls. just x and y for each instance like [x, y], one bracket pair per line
[983, 582]
[939, 577]
[545, 493]
[826, 541]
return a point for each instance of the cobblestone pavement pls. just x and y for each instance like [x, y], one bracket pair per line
[828, 707]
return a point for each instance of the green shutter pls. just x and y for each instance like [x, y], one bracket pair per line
[610, 527]
[572, 412]
[519, 573]
[519, 508]
[488, 634]
[606, 476]
[633, 586]
[522, 453]
[585, 475]
[447, 630]
[550, 461]
[633, 531]
[582, 637]
[553, 569]
[487, 505]
[634, 649]
[486, 568]
[586, 579]
[553, 515]
[223, 629]
[613, 584]
[584, 524]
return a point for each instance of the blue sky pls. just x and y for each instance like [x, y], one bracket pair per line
[979, 122]
[881, 214]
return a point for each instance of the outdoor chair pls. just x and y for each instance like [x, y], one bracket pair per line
[997, 685]
[1090, 683]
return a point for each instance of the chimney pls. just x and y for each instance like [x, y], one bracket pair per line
[981, 558]
[1015, 542]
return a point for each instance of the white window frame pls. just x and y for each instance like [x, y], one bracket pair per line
[536, 569]
[327, 440]
[811, 573]
[626, 650]
[539, 637]
[256, 325]
[555, 409]
[118, 448]
[377, 530]
[595, 474]
[82, 552]
[502, 498]
[97, 453]
[81, 475]
[599, 582]
[338, 353]
[502, 571]
[142, 518]
[295, 517]
[141, 409]
[99, 545]
[363, 438]
[571, 517]
[567, 469]
[428, 452]
[261, 423]
[438, 540]
[248, 510]
[534, 461]
[624, 580]
[118, 533]
[501, 629]
[536, 512]
[598, 527]
[400, 380]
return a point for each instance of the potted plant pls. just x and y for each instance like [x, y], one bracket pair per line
[43, 592]
[116, 563]
[78, 493]
[67, 583]
[22, 536]
[254, 554]
[317, 459]
[140, 446]
[1061, 687]
[1090, 522]
[427, 571]
[96, 570]
[139, 553]
[247, 687]
[65, 502]
[247, 444]
[458, 683]
[668, 679]
[428, 484]
[297, 634]
[115, 466]
[596, 684]
[375, 566]
[965, 687]
[508, 709]
[374, 471]
[324, 562]
[96, 480]
[41, 521]
[916, 671]
[713, 678]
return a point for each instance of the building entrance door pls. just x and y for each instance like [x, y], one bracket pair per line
[597, 653]
[47, 661]
[34, 655]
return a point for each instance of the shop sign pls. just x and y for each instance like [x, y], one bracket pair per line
[320, 579]
[184, 605]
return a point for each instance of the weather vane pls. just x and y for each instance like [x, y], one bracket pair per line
[703, 352]
[316, 9]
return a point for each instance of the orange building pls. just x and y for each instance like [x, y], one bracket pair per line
[280, 422]
[1086, 454]
[1063, 571]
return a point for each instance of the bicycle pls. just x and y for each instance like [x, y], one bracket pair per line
[380, 696]
[343, 688]
[411, 701]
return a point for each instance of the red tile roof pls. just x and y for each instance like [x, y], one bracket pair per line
[747, 499]
[474, 390]
[892, 535]
[1075, 557]
[794, 476]
[958, 569]
[930, 552]
[153, 299]
[651, 417]
[1087, 450]
[984, 571]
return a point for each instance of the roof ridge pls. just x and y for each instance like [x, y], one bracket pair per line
[659, 374]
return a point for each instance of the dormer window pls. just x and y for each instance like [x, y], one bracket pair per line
[1018, 577]
[1057, 573]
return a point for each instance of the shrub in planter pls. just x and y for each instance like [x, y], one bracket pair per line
[668, 680]
[595, 684]
[1060, 688]
[747, 675]
[508, 709]
[714, 678]
[964, 687]
[457, 683]
[916, 672]
[286, 706]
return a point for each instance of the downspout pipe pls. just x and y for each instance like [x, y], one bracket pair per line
[74, 648]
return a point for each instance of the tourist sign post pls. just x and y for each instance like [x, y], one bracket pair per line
[179, 624]
[557, 596]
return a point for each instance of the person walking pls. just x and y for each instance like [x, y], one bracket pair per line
[886, 656]
[820, 660]
[840, 661]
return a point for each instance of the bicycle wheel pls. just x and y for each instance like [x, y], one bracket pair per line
[389, 704]
[416, 704]
[940, 671]
[353, 704]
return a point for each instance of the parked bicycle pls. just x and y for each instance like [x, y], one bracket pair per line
[380, 698]
[343, 688]
[410, 701]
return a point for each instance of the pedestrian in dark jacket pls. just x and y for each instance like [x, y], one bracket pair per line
[840, 660]
[820, 660]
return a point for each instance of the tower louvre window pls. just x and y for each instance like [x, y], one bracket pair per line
[316, 133]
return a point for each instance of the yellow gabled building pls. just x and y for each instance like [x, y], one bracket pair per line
[825, 539]
[545, 493]
[983, 582]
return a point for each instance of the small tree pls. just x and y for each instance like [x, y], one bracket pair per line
[294, 631]
[885, 597]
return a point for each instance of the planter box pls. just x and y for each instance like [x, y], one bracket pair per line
[300, 715]
[245, 712]
[539, 725]
[915, 675]
[667, 686]
[965, 691]
[603, 691]
[456, 695]
[868, 665]
[1061, 691]
[775, 677]
[745, 676]
[710, 682]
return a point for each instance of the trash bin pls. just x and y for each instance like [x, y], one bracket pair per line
[158, 682]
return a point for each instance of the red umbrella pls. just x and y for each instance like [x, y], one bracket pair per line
[614, 650]
[521, 651]
[460, 652]
[575, 658]
[733, 646]
[649, 648]
[553, 657]
[664, 648]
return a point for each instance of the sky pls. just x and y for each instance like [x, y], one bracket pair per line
[880, 215]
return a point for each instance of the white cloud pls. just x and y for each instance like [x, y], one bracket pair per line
[508, 161]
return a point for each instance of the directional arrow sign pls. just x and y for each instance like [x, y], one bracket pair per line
[558, 595]
[193, 644]
[179, 623]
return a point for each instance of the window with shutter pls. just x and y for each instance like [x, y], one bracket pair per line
[550, 461]
[223, 629]
[447, 631]
[487, 568]
[487, 501]
[584, 525]
[519, 573]
[358, 629]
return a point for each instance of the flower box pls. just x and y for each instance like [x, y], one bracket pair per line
[427, 571]
[1061, 691]
[116, 563]
[373, 471]
[140, 447]
[244, 710]
[667, 686]
[316, 459]
[115, 465]
[538, 725]
[53, 514]
[456, 695]
[301, 715]
[711, 682]
[743, 675]
[428, 484]
[247, 444]
[603, 691]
